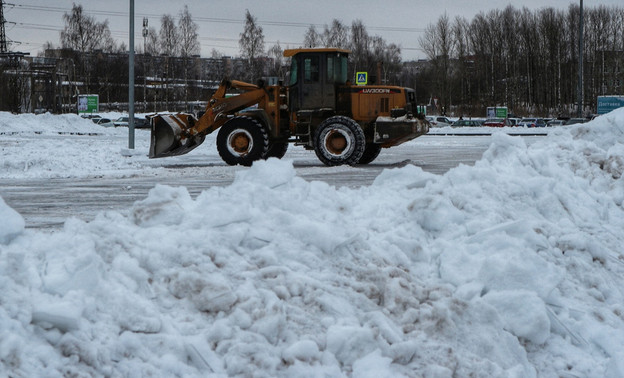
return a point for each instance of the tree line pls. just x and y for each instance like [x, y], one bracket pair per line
[526, 60]
[369, 53]
[84, 34]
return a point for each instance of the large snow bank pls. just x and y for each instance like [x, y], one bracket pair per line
[49, 124]
[510, 268]
[67, 145]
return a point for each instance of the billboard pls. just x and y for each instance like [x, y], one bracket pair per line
[496, 112]
[609, 103]
[88, 104]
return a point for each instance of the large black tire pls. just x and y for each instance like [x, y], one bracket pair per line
[339, 140]
[277, 150]
[242, 140]
[371, 152]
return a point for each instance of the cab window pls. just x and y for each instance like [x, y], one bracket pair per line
[336, 69]
[311, 69]
[293, 72]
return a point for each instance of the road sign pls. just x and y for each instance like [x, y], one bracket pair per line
[361, 78]
[496, 112]
[88, 104]
[609, 103]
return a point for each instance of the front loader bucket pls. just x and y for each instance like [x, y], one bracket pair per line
[169, 136]
[391, 131]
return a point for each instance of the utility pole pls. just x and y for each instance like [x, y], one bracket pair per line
[145, 33]
[131, 80]
[3, 39]
[579, 108]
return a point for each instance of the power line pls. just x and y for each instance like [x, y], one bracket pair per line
[217, 19]
[201, 19]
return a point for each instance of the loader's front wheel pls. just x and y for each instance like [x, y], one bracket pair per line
[242, 140]
[339, 140]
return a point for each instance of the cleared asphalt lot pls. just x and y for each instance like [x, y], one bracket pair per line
[47, 203]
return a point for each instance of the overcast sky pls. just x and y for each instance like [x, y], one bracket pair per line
[221, 22]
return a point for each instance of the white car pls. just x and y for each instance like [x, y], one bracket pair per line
[555, 122]
[439, 121]
[121, 121]
[139, 123]
[105, 122]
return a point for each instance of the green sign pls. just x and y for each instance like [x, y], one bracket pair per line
[609, 103]
[496, 112]
[361, 78]
[422, 109]
[88, 104]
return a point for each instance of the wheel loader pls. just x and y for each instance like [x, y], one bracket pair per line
[319, 109]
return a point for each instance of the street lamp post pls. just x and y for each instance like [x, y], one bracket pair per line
[579, 108]
[145, 32]
[131, 80]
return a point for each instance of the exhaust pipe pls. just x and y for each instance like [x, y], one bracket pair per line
[168, 135]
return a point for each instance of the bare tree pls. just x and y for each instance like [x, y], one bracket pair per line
[276, 54]
[170, 48]
[169, 36]
[312, 38]
[510, 52]
[189, 44]
[392, 64]
[152, 45]
[83, 33]
[461, 29]
[359, 45]
[187, 30]
[336, 35]
[251, 45]
[437, 43]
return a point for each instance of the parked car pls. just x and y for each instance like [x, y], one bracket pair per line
[555, 122]
[467, 123]
[121, 121]
[497, 122]
[532, 122]
[573, 121]
[439, 121]
[90, 116]
[514, 121]
[139, 123]
[103, 122]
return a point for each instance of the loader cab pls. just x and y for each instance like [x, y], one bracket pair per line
[315, 75]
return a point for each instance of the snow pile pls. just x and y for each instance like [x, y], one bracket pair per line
[49, 124]
[11, 223]
[487, 130]
[73, 146]
[511, 268]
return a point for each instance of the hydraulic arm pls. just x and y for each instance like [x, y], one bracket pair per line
[177, 134]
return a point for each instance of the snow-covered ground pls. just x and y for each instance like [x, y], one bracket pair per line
[513, 267]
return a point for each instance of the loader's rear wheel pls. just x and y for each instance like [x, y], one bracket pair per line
[242, 140]
[371, 152]
[277, 150]
[339, 140]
